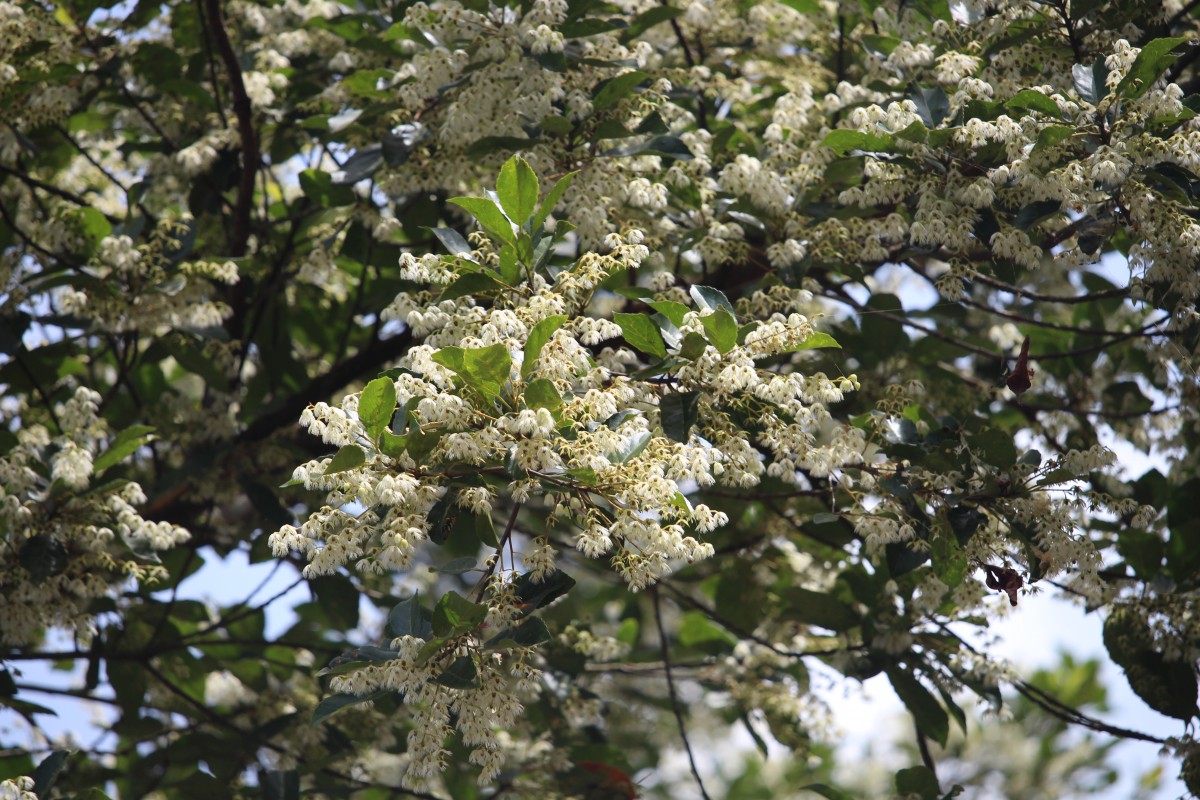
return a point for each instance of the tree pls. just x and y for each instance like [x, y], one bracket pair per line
[645, 357]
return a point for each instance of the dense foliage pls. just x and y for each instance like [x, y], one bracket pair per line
[646, 358]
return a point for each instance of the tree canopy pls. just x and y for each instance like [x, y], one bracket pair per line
[604, 371]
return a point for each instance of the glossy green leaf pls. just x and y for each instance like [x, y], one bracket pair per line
[710, 299]
[455, 614]
[551, 200]
[318, 187]
[616, 88]
[818, 608]
[489, 216]
[930, 717]
[1153, 60]
[641, 333]
[539, 593]
[919, 781]
[517, 188]
[485, 369]
[540, 393]
[376, 405]
[697, 630]
[461, 674]
[347, 457]
[46, 774]
[123, 445]
[722, 330]
[530, 633]
[680, 411]
[671, 310]
[405, 619]
[338, 702]
[538, 336]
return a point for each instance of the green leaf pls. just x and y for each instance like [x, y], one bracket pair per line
[510, 267]
[462, 674]
[353, 659]
[391, 444]
[280, 784]
[845, 142]
[540, 393]
[932, 104]
[816, 341]
[405, 619]
[93, 225]
[696, 629]
[628, 631]
[1090, 81]
[530, 633]
[360, 166]
[43, 556]
[964, 521]
[517, 188]
[665, 146]
[722, 330]
[485, 530]
[454, 242]
[822, 789]
[631, 448]
[930, 717]
[485, 369]
[1154, 59]
[335, 703]
[455, 614]
[641, 333]
[551, 587]
[489, 215]
[807, 8]
[124, 444]
[551, 200]
[47, 772]
[614, 89]
[671, 310]
[318, 187]
[679, 412]
[919, 781]
[376, 406]
[710, 299]
[1052, 135]
[538, 336]
[442, 517]
[646, 20]
[1033, 100]
[995, 446]
[347, 457]
[818, 608]
[456, 566]
[692, 346]
[473, 283]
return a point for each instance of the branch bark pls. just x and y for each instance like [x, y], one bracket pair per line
[251, 157]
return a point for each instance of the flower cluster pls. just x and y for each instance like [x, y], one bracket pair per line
[69, 540]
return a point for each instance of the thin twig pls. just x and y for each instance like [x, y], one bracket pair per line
[666, 659]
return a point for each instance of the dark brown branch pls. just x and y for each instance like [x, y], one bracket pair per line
[373, 356]
[34, 183]
[1046, 298]
[251, 158]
